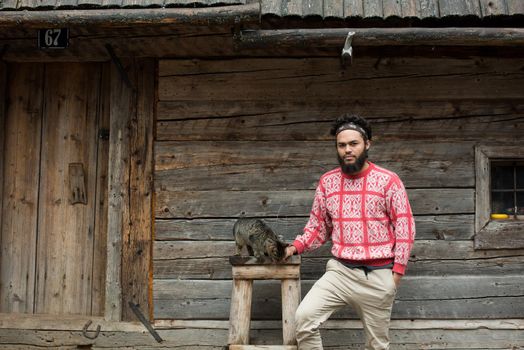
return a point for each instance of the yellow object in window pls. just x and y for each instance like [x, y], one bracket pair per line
[499, 216]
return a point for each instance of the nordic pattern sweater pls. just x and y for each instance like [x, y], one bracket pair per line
[367, 217]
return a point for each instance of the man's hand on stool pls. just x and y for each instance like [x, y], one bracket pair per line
[290, 250]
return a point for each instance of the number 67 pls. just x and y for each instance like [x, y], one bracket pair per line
[51, 37]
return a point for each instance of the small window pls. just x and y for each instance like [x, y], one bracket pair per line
[507, 189]
[499, 197]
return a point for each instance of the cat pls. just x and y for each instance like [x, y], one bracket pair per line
[259, 239]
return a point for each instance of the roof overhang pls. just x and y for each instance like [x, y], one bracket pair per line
[107, 18]
[329, 37]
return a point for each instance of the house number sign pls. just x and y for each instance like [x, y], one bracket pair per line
[53, 38]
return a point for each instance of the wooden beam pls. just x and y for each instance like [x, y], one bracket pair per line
[266, 272]
[458, 324]
[136, 248]
[262, 347]
[3, 100]
[101, 218]
[215, 339]
[129, 269]
[132, 17]
[328, 37]
[120, 101]
[64, 322]
[238, 260]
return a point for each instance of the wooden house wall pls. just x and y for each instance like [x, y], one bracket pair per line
[249, 137]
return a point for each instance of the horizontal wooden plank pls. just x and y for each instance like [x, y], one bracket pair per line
[433, 339]
[179, 338]
[187, 155]
[336, 336]
[266, 272]
[414, 324]
[292, 115]
[220, 229]
[313, 268]
[281, 79]
[232, 203]
[422, 250]
[250, 261]
[418, 297]
[447, 227]
[508, 263]
[87, 45]
[263, 347]
[421, 174]
[331, 87]
[65, 322]
[488, 308]
[503, 234]
[193, 204]
[379, 37]
[124, 17]
[164, 250]
[270, 309]
[265, 69]
[463, 120]
[411, 288]
[295, 165]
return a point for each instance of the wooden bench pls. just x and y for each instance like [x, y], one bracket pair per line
[245, 270]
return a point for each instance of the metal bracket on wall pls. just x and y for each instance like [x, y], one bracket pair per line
[119, 66]
[144, 321]
[347, 51]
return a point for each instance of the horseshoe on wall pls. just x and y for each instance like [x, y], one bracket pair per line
[86, 326]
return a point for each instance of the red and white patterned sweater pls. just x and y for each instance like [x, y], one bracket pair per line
[367, 217]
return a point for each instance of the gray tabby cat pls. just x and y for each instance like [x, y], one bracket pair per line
[259, 239]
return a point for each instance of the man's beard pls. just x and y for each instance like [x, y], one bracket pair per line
[351, 169]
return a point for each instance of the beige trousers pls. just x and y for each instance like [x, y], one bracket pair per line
[371, 296]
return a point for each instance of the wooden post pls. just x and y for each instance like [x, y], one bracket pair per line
[3, 97]
[137, 271]
[290, 300]
[120, 102]
[129, 272]
[240, 315]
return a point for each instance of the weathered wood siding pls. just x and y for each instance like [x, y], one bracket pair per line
[250, 137]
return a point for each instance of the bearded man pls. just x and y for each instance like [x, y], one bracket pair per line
[364, 210]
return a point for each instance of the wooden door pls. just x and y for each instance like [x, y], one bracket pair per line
[53, 226]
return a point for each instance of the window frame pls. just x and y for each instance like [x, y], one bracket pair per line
[494, 234]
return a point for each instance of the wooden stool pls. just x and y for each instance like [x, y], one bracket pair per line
[245, 270]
